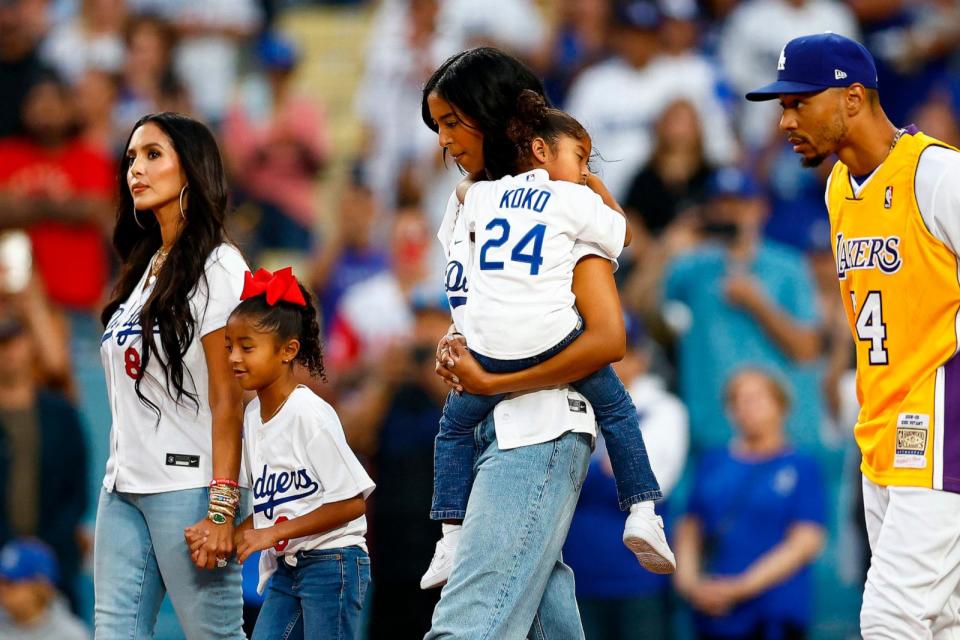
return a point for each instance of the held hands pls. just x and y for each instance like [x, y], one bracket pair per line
[251, 540]
[209, 543]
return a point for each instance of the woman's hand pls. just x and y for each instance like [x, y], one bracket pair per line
[467, 374]
[252, 540]
[209, 543]
[445, 361]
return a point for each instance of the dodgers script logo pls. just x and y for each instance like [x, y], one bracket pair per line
[123, 331]
[456, 284]
[874, 252]
[274, 486]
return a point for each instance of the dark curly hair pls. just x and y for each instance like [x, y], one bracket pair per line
[168, 306]
[535, 119]
[483, 84]
[287, 321]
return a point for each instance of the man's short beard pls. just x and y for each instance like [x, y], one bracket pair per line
[833, 135]
[814, 162]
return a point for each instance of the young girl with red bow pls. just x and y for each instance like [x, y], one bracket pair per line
[308, 487]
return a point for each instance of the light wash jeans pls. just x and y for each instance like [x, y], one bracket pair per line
[509, 580]
[140, 555]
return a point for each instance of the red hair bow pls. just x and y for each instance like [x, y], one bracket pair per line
[279, 285]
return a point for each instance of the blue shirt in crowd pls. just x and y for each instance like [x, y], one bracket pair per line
[746, 507]
[724, 337]
[604, 567]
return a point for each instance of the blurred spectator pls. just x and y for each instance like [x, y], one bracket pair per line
[617, 597]
[349, 255]
[751, 43]
[675, 179]
[92, 39]
[936, 118]
[59, 188]
[20, 31]
[911, 41]
[393, 418]
[96, 94]
[32, 609]
[798, 216]
[754, 524]
[578, 39]
[619, 100]
[148, 84]
[207, 56]
[405, 45]
[736, 298]
[376, 311]
[513, 25]
[277, 155]
[43, 455]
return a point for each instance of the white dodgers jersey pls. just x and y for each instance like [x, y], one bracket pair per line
[521, 301]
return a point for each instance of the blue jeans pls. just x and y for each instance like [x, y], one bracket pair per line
[140, 555]
[508, 578]
[616, 415]
[320, 597]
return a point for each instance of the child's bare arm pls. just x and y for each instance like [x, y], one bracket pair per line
[596, 184]
[323, 518]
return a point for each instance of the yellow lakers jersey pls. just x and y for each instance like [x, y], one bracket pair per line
[900, 289]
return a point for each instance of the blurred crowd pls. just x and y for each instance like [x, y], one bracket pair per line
[739, 358]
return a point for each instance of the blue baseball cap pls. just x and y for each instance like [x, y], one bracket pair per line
[27, 559]
[638, 14]
[816, 62]
[732, 182]
[277, 52]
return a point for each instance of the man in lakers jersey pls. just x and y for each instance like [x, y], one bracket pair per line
[894, 204]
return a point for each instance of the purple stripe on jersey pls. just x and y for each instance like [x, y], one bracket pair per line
[951, 425]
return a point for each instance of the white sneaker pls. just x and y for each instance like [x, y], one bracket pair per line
[644, 535]
[441, 564]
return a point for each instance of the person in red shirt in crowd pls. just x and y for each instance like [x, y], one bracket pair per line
[59, 188]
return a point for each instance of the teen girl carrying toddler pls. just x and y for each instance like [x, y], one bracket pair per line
[521, 311]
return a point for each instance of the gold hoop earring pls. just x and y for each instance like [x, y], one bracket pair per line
[137, 220]
[180, 201]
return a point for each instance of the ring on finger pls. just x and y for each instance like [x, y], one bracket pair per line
[221, 563]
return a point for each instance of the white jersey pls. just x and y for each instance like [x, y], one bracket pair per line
[297, 462]
[522, 419]
[147, 456]
[521, 299]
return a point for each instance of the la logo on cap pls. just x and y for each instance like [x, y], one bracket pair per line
[782, 62]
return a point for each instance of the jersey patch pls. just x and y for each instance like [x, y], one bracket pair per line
[576, 405]
[183, 460]
[911, 450]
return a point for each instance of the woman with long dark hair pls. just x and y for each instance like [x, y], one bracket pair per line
[508, 579]
[175, 441]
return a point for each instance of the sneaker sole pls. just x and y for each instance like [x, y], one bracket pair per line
[426, 586]
[648, 557]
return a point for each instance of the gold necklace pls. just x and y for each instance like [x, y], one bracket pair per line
[896, 139]
[280, 406]
[158, 259]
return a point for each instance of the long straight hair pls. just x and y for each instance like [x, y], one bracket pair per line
[483, 84]
[167, 309]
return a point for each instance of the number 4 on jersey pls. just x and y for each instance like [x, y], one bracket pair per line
[870, 326]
